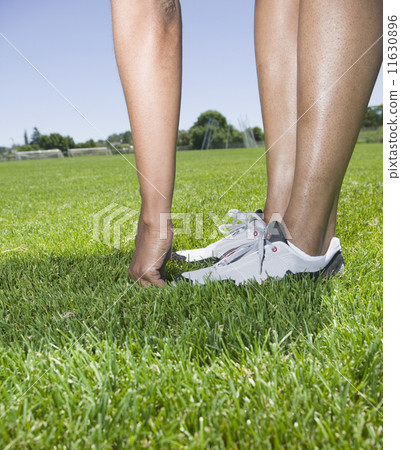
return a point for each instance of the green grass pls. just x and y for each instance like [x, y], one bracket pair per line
[87, 359]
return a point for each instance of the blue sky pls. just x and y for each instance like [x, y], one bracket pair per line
[70, 43]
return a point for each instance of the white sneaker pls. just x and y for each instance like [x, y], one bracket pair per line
[245, 228]
[271, 256]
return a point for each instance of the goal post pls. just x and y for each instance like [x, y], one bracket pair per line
[39, 154]
[93, 151]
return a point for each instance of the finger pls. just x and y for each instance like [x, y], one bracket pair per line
[147, 280]
[159, 283]
[153, 278]
[147, 283]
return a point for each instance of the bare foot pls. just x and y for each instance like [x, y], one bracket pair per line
[151, 255]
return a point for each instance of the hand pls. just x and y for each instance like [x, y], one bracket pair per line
[151, 255]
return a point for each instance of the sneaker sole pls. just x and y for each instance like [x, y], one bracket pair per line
[180, 258]
[334, 267]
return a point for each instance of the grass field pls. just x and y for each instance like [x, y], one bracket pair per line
[89, 360]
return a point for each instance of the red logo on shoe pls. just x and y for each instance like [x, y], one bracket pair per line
[230, 252]
[255, 233]
[274, 249]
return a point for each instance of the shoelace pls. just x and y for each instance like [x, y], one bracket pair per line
[244, 218]
[259, 245]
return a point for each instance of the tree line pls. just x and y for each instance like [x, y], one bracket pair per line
[39, 141]
[373, 117]
[224, 135]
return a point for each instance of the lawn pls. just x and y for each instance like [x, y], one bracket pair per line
[90, 360]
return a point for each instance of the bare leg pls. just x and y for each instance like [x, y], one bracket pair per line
[276, 42]
[332, 36]
[147, 39]
[276, 31]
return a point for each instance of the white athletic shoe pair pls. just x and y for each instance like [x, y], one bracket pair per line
[254, 251]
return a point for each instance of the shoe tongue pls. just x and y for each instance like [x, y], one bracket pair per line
[259, 213]
[275, 232]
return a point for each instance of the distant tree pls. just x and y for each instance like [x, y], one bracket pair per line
[88, 144]
[27, 148]
[223, 133]
[196, 134]
[373, 117]
[44, 142]
[69, 143]
[126, 138]
[203, 119]
[55, 140]
[234, 136]
[26, 142]
[258, 133]
[122, 138]
[184, 138]
[35, 136]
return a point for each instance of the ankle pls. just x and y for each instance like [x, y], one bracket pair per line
[312, 240]
[308, 245]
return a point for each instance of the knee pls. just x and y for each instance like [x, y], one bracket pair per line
[169, 8]
[168, 11]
